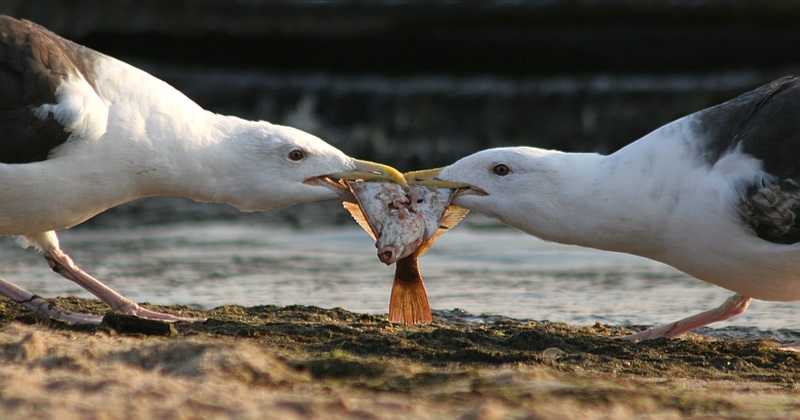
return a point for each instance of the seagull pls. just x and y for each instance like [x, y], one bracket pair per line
[715, 194]
[81, 132]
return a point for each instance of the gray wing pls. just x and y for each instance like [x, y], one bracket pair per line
[33, 63]
[765, 123]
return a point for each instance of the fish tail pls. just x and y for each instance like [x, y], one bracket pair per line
[409, 303]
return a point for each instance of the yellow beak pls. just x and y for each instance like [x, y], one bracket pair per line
[372, 170]
[427, 178]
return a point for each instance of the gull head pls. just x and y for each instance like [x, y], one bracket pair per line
[502, 183]
[278, 165]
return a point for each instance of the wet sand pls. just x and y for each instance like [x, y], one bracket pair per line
[307, 362]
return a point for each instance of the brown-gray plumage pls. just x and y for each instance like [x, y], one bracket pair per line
[34, 62]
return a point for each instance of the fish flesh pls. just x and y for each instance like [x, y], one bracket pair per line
[433, 203]
[408, 303]
[390, 214]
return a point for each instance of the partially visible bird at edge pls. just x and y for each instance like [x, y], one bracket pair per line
[81, 132]
[715, 194]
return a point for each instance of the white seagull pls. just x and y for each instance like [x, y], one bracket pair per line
[81, 132]
[715, 194]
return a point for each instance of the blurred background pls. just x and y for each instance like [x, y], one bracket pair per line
[419, 84]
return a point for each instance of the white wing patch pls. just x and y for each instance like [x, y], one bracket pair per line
[78, 109]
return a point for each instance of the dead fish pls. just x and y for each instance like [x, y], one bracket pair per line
[408, 303]
[376, 214]
[431, 203]
[390, 214]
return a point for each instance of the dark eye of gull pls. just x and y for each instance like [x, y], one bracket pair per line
[296, 155]
[501, 169]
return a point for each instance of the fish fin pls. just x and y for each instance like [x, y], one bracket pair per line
[452, 216]
[358, 216]
[409, 303]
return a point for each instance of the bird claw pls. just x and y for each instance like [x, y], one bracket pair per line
[793, 346]
[144, 313]
[76, 318]
[663, 331]
[46, 311]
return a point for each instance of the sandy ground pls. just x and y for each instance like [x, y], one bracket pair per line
[307, 362]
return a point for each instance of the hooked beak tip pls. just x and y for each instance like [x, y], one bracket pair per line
[371, 170]
[428, 178]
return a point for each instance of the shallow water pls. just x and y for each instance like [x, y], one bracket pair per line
[480, 268]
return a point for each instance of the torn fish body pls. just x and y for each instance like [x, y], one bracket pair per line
[409, 301]
[390, 215]
[432, 203]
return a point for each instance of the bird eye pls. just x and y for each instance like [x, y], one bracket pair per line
[501, 169]
[296, 155]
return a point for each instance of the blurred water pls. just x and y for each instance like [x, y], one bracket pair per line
[478, 267]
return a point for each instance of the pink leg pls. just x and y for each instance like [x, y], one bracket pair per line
[733, 306]
[62, 264]
[42, 308]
